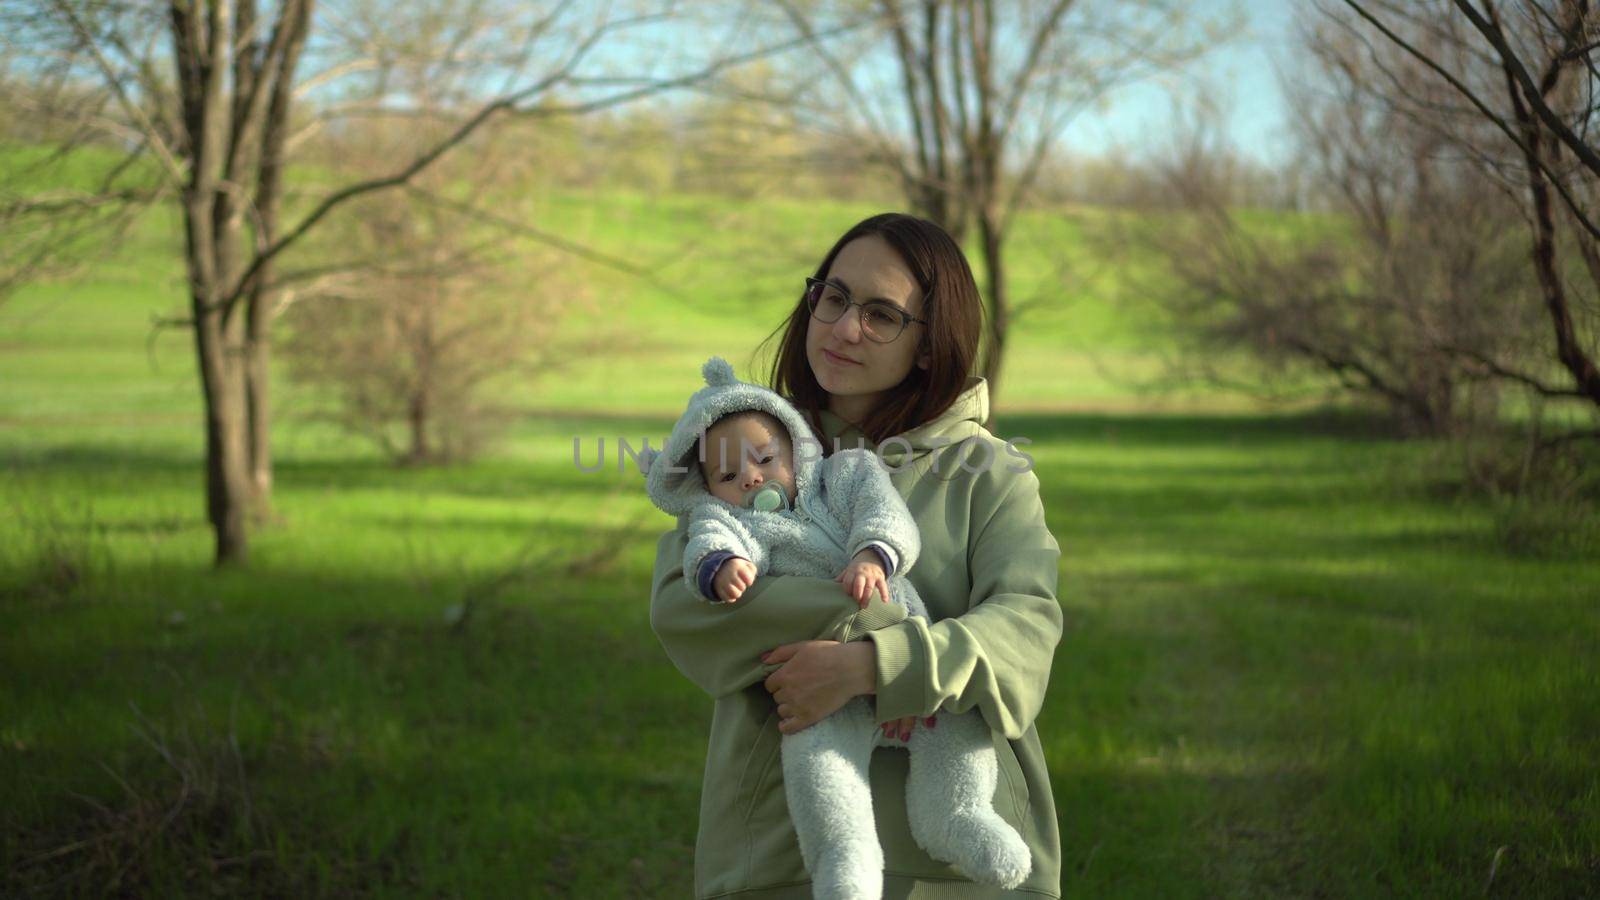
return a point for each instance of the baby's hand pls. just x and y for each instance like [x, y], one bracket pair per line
[733, 577]
[865, 577]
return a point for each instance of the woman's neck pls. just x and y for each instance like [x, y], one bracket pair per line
[853, 409]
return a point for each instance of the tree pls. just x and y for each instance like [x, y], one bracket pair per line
[405, 348]
[212, 91]
[60, 188]
[1522, 85]
[1406, 264]
[1414, 290]
[980, 95]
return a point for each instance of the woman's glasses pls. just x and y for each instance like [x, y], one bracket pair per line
[881, 321]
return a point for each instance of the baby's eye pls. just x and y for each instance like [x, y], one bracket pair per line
[727, 477]
[765, 460]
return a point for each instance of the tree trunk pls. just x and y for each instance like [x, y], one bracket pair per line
[227, 242]
[999, 309]
[269, 183]
[417, 416]
[200, 46]
[257, 370]
[222, 390]
[1430, 410]
[218, 346]
[227, 490]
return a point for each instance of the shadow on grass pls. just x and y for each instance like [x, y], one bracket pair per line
[329, 726]
[99, 458]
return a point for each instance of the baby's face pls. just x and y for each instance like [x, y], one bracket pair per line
[743, 452]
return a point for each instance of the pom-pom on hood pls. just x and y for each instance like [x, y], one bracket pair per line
[672, 474]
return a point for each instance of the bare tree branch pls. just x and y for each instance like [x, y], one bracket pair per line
[515, 227]
[1483, 109]
[1568, 350]
[1533, 95]
[174, 170]
[1536, 385]
[504, 104]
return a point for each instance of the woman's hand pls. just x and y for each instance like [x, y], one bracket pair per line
[901, 728]
[818, 677]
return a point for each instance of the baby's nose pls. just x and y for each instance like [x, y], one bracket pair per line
[751, 480]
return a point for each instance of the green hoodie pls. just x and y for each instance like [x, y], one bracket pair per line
[988, 575]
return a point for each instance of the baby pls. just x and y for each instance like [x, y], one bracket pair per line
[760, 501]
[747, 460]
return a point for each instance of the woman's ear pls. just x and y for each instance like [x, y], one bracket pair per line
[924, 360]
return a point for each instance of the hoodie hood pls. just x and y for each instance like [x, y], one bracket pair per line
[672, 474]
[962, 420]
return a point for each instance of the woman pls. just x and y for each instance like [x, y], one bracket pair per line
[879, 353]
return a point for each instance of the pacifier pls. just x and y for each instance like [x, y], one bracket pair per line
[768, 497]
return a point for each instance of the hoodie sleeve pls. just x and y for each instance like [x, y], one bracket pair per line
[997, 655]
[718, 646]
[859, 488]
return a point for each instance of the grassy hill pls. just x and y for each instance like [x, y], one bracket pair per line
[1298, 660]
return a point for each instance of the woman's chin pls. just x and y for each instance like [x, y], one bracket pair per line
[841, 387]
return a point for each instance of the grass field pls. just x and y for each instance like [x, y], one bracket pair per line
[1298, 661]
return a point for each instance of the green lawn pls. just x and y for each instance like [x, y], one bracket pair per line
[1298, 662]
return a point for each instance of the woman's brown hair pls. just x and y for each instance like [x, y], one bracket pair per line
[950, 306]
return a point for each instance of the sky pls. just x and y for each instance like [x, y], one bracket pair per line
[1240, 74]
[1243, 71]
